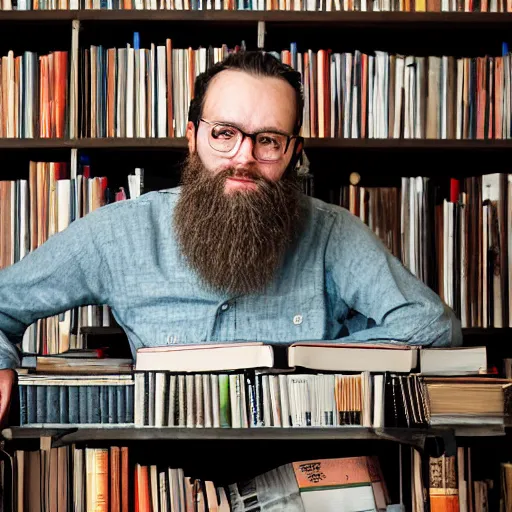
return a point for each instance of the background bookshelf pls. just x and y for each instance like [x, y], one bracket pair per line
[379, 161]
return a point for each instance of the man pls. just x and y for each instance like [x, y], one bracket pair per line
[236, 252]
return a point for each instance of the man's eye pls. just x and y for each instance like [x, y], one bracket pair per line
[224, 133]
[268, 140]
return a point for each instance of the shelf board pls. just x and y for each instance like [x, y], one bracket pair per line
[488, 331]
[67, 434]
[96, 143]
[102, 331]
[50, 143]
[134, 143]
[406, 144]
[73, 433]
[180, 143]
[333, 18]
[38, 15]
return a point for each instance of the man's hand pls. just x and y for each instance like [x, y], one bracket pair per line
[6, 382]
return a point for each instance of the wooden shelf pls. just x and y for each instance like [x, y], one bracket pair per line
[67, 434]
[43, 16]
[114, 143]
[13, 143]
[407, 144]
[404, 19]
[488, 332]
[71, 434]
[312, 143]
[102, 331]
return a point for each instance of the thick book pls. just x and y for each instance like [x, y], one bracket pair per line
[198, 357]
[453, 361]
[339, 357]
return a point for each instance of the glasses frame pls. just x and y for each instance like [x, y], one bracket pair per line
[251, 136]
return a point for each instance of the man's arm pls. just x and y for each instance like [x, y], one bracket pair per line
[64, 272]
[374, 283]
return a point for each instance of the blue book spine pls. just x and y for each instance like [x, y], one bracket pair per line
[83, 404]
[52, 404]
[93, 406]
[104, 404]
[41, 404]
[129, 392]
[31, 404]
[64, 404]
[112, 405]
[121, 404]
[74, 405]
[23, 405]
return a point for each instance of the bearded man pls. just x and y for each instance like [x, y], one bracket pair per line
[236, 253]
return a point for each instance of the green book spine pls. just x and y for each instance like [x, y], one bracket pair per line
[225, 409]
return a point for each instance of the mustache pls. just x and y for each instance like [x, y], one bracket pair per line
[252, 174]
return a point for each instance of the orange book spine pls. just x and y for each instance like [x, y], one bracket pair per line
[443, 490]
[444, 503]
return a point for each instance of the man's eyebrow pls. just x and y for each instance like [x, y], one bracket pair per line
[273, 129]
[262, 129]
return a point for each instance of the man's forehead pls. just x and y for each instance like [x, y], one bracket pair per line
[252, 102]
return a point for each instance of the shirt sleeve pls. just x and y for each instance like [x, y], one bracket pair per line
[64, 272]
[374, 283]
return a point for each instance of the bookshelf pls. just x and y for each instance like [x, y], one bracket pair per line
[418, 32]
[180, 143]
[311, 18]
[69, 434]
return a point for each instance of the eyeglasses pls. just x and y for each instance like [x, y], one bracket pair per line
[267, 146]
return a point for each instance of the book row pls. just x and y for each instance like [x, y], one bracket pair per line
[142, 92]
[34, 209]
[266, 5]
[106, 480]
[117, 479]
[253, 399]
[111, 479]
[135, 91]
[34, 95]
[453, 234]
[76, 400]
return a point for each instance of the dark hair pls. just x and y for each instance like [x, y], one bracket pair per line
[254, 62]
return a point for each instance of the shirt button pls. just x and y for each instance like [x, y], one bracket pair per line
[224, 307]
[297, 319]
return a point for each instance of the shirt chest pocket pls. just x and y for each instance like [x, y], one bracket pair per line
[169, 312]
[286, 318]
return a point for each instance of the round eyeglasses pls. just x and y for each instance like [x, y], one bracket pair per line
[268, 146]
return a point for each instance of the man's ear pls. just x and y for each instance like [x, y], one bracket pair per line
[299, 147]
[297, 153]
[191, 136]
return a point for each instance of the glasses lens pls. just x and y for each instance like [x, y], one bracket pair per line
[270, 146]
[224, 137]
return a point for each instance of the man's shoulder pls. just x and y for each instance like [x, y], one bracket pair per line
[140, 217]
[153, 200]
[341, 223]
[325, 211]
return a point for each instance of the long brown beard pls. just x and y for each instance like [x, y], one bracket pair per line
[235, 242]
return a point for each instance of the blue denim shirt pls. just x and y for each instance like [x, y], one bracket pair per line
[125, 255]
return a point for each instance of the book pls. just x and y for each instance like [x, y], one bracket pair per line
[318, 356]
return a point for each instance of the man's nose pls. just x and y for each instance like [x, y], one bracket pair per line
[244, 155]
